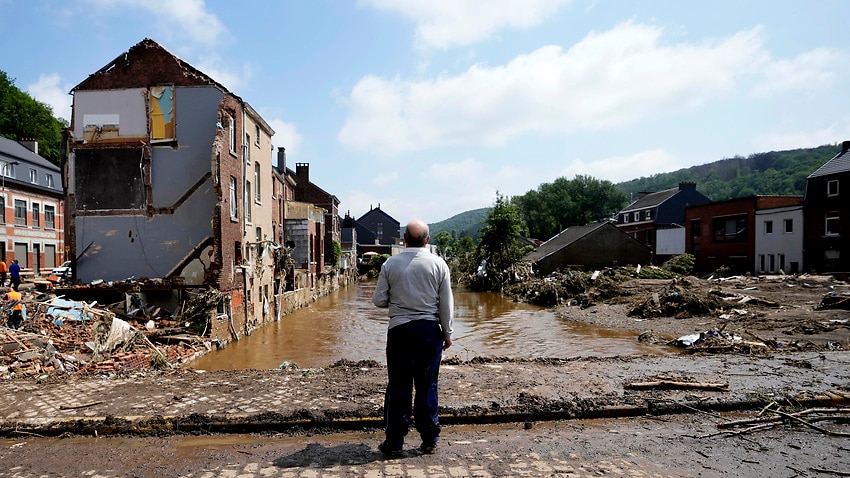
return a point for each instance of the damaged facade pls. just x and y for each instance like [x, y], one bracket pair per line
[169, 176]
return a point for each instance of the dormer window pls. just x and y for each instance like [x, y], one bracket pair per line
[636, 216]
[626, 218]
[648, 215]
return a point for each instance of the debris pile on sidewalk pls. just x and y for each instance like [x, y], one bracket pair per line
[60, 336]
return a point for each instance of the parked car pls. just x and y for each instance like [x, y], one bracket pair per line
[63, 271]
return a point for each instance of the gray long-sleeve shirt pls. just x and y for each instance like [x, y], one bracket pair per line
[416, 285]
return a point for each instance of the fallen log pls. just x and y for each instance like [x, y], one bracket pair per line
[679, 385]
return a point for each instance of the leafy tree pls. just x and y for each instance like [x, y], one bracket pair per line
[336, 253]
[22, 117]
[443, 241]
[562, 203]
[499, 247]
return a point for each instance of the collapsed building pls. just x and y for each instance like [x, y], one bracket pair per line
[171, 192]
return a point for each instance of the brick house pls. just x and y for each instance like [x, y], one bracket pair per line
[31, 226]
[827, 213]
[307, 192]
[169, 176]
[724, 233]
[658, 219]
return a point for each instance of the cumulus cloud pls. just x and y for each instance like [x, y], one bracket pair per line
[607, 80]
[832, 134]
[810, 70]
[443, 24]
[49, 90]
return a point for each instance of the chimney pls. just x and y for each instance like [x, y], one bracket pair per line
[687, 185]
[845, 146]
[281, 159]
[30, 144]
[641, 194]
[302, 172]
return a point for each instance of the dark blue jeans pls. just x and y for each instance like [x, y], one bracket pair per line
[414, 351]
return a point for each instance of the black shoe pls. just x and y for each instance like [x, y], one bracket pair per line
[388, 451]
[428, 448]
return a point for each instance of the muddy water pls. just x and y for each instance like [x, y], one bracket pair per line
[345, 325]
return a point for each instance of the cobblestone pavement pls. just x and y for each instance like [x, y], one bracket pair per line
[469, 392]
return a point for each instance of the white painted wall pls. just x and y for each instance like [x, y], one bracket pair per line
[670, 241]
[770, 247]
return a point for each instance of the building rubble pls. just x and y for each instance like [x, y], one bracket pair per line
[60, 336]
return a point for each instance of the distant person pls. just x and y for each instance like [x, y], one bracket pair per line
[13, 300]
[415, 286]
[15, 274]
[3, 271]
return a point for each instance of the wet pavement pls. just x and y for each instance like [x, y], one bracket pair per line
[350, 395]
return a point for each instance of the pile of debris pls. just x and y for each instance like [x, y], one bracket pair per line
[61, 336]
[676, 299]
[571, 287]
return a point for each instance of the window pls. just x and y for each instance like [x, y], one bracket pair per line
[259, 232]
[772, 258]
[782, 262]
[49, 217]
[648, 214]
[257, 134]
[231, 128]
[20, 212]
[2, 209]
[50, 182]
[788, 225]
[761, 263]
[33, 176]
[768, 227]
[832, 188]
[257, 195]
[732, 228]
[234, 210]
[636, 217]
[247, 149]
[626, 218]
[9, 169]
[36, 214]
[831, 221]
[237, 252]
[247, 205]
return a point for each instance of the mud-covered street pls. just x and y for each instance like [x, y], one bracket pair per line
[668, 446]
[777, 362]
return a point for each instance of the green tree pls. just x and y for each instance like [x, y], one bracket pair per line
[336, 253]
[564, 202]
[499, 247]
[22, 117]
[443, 241]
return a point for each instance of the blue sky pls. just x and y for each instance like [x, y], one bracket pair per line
[429, 108]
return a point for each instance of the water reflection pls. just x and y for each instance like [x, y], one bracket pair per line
[345, 325]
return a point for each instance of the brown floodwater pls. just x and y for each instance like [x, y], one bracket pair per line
[345, 325]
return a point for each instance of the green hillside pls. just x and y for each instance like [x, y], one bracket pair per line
[468, 222]
[772, 173]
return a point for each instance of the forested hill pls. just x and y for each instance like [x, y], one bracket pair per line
[773, 173]
[468, 222]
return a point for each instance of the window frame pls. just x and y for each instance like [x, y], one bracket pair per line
[829, 189]
[49, 217]
[788, 226]
[257, 193]
[50, 182]
[768, 227]
[234, 199]
[831, 224]
[20, 206]
[35, 208]
[231, 125]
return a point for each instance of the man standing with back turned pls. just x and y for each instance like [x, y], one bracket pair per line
[416, 287]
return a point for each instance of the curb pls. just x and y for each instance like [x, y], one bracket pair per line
[202, 424]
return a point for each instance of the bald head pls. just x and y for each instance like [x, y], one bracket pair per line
[416, 234]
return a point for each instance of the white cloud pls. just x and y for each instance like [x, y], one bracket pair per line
[608, 80]
[444, 24]
[48, 90]
[286, 135]
[832, 134]
[223, 72]
[624, 168]
[189, 17]
[808, 71]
